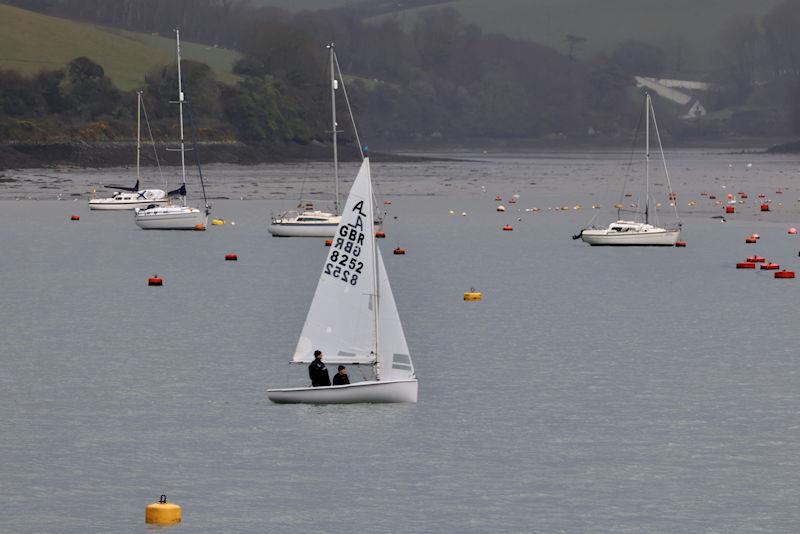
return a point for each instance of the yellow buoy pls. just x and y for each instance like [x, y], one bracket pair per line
[217, 222]
[162, 513]
[473, 295]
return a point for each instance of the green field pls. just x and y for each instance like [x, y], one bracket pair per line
[30, 42]
[606, 23]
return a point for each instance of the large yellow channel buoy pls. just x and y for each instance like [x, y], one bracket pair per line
[162, 513]
[473, 295]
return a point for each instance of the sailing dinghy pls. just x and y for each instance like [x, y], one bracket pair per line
[353, 318]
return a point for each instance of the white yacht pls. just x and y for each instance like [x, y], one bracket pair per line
[307, 223]
[639, 233]
[176, 216]
[315, 223]
[128, 198]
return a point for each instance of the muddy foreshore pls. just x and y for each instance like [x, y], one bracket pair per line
[115, 154]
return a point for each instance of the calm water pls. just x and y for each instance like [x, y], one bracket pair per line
[603, 390]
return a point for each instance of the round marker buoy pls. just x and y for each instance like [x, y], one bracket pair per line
[473, 295]
[217, 222]
[328, 242]
[792, 231]
[200, 227]
[746, 265]
[756, 259]
[764, 207]
[784, 274]
[508, 228]
[162, 513]
[770, 266]
[231, 257]
[730, 209]
[380, 234]
[399, 251]
[75, 218]
[155, 280]
[680, 243]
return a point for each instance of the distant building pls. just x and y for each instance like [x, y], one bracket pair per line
[685, 93]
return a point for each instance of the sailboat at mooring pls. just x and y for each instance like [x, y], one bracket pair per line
[353, 318]
[640, 232]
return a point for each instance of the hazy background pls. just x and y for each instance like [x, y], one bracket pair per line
[420, 73]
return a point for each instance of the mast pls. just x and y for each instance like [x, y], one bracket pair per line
[180, 109]
[138, 131]
[375, 281]
[333, 129]
[647, 159]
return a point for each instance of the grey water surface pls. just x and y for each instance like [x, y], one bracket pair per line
[592, 390]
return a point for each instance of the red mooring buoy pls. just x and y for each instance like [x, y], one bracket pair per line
[399, 251]
[756, 259]
[730, 209]
[770, 266]
[784, 274]
[746, 265]
[380, 234]
[231, 257]
[764, 207]
[200, 227]
[155, 280]
[680, 243]
[328, 242]
[508, 228]
[75, 218]
[751, 240]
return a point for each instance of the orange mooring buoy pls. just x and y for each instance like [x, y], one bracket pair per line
[200, 227]
[784, 274]
[680, 243]
[231, 257]
[399, 251]
[155, 280]
[770, 266]
[380, 234]
[328, 242]
[508, 228]
[746, 265]
[792, 231]
[75, 218]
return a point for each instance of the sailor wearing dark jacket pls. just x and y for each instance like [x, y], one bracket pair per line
[341, 378]
[317, 371]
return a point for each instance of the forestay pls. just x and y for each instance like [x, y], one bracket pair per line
[342, 322]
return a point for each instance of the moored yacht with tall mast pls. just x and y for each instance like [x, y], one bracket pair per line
[128, 198]
[177, 216]
[639, 232]
[316, 223]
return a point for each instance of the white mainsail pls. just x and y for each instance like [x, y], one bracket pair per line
[342, 320]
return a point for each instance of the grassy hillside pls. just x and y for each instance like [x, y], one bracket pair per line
[30, 42]
[606, 23]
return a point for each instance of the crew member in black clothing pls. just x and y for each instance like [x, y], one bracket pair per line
[341, 378]
[318, 372]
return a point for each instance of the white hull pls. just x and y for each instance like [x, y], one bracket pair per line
[171, 221]
[603, 237]
[387, 391]
[117, 205]
[303, 230]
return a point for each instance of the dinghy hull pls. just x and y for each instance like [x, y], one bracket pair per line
[303, 230]
[379, 392]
